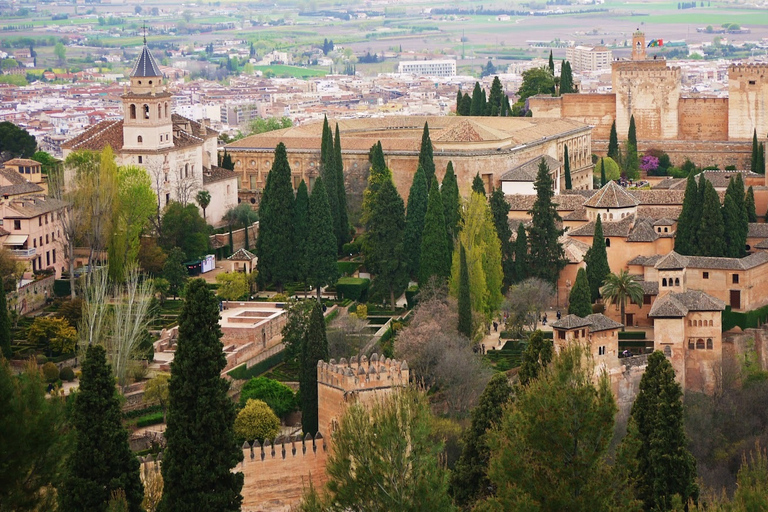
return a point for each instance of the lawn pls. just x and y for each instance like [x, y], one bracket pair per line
[281, 70]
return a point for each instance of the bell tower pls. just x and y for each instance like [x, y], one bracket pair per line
[147, 121]
[638, 45]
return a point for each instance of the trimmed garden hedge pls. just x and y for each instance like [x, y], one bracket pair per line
[347, 268]
[632, 335]
[354, 288]
[150, 419]
[243, 373]
[745, 320]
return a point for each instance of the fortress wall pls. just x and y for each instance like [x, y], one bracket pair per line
[650, 91]
[747, 101]
[703, 118]
[702, 153]
[597, 110]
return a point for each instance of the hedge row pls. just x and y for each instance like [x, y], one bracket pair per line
[354, 288]
[632, 335]
[142, 412]
[150, 419]
[243, 373]
[745, 320]
[347, 268]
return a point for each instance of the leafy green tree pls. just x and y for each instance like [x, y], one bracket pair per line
[256, 421]
[328, 170]
[603, 177]
[687, 222]
[35, 440]
[579, 300]
[243, 215]
[314, 347]
[632, 163]
[227, 162]
[201, 445]
[406, 476]
[55, 334]
[500, 211]
[547, 257]
[521, 255]
[301, 232]
[61, 53]
[102, 461]
[156, 391]
[710, 236]
[751, 492]
[15, 142]
[342, 235]
[535, 81]
[465, 301]
[263, 125]
[749, 204]
[297, 315]
[450, 192]
[183, 227]
[597, 261]
[477, 108]
[621, 287]
[48, 163]
[550, 450]
[279, 397]
[436, 244]
[613, 143]
[566, 79]
[665, 467]
[469, 481]
[414, 220]
[426, 156]
[175, 272]
[321, 243]
[567, 169]
[276, 235]
[489, 69]
[478, 185]
[203, 199]
[232, 285]
[5, 327]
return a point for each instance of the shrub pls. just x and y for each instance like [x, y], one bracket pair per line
[277, 396]
[279, 297]
[612, 170]
[256, 421]
[50, 372]
[347, 268]
[410, 295]
[362, 311]
[354, 288]
[351, 248]
[67, 374]
[150, 419]
[41, 359]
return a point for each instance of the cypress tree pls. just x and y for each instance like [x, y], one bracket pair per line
[579, 300]
[537, 356]
[477, 108]
[755, 153]
[321, 242]
[551, 64]
[632, 133]
[458, 102]
[450, 195]
[749, 204]
[711, 232]
[426, 157]
[495, 99]
[500, 212]
[484, 105]
[547, 256]
[664, 467]
[465, 109]
[567, 168]
[521, 255]
[478, 185]
[342, 234]
[5, 326]
[687, 222]
[566, 78]
[275, 240]
[378, 164]
[597, 261]
[314, 347]
[465, 302]
[102, 462]
[734, 245]
[328, 170]
[603, 178]
[469, 481]
[736, 241]
[613, 143]
[414, 221]
[201, 445]
[301, 231]
[761, 159]
[436, 244]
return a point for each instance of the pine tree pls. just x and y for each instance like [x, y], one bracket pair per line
[665, 468]
[328, 170]
[436, 244]
[478, 185]
[102, 461]
[603, 178]
[579, 300]
[495, 99]
[521, 255]
[547, 257]
[5, 327]
[537, 356]
[466, 105]
[478, 107]
[687, 222]
[314, 347]
[597, 261]
[275, 241]
[567, 168]
[613, 143]
[458, 102]
[301, 233]
[551, 64]
[414, 221]
[426, 156]
[469, 481]
[755, 153]
[450, 192]
[342, 235]
[321, 242]
[465, 302]
[201, 446]
[749, 204]
[711, 232]
[500, 212]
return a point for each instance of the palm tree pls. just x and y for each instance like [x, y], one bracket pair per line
[617, 288]
[203, 198]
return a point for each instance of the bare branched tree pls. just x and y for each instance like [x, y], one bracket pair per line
[70, 220]
[94, 322]
[185, 189]
[525, 302]
[347, 336]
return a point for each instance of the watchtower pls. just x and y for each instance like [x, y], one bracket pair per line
[638, 45]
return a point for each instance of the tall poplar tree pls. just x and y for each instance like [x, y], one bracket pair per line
[414, 221]
[465, 301]
[755, 153]
[749, 204]
[5, 326]
[687, 222]
[478, 102]
[521, 255]
[275, 240]
[342, 233]
[500, 212]
[314, 347]
[436, 244]
[613, 143]
[426, 155]
[579, 300]
[664, 467]
[201, 445]
[321, 242]
[547, 256]
[102, 462]
[597, 261]
[567, 168]
[301, 233]
[711, 233]
[478, 185]
[328, 170]
[450, 192]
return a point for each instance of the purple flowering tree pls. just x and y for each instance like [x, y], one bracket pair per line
[649, 164]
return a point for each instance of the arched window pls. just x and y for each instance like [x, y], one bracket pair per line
[607, 242]
[690, 323]
[146, 111]
[677, 281]
[159, 111]
[166, 109]
[700, 323]
[710, 345]
[699, 344]
[664, 282]
[139, 139]
[666, 230]
[186, 170]
[133, 111]
[610, 216]
[711, 324]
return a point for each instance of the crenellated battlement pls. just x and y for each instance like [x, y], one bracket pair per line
[748, 69]
[359, 374]
[666, 73]
[287, 448]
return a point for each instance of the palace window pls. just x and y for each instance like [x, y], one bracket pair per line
[735, 278]
[710, 344]
[146, 111]
[139, 139]
[705, 275]
[699, 344]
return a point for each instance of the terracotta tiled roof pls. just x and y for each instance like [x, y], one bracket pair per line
[600, 322]
[664, 222]
[677, 305]
[646, 261]
[563, 202]
[642, 231]
[29, 207]
[527, 171]
[757, 230]
[242, 255]
[463, 131]
[21, 161]
[649, 287]
[96, 138]
[216, 173]
[612, 196]
[620, 228]
[674, 261]
[571, 322]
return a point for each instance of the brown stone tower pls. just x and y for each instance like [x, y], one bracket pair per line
[638, 45]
